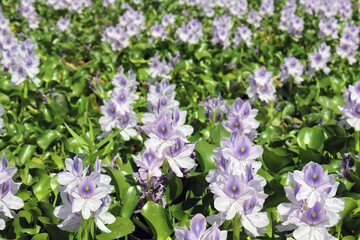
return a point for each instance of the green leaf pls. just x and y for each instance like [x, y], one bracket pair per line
[42, 188]
[130, 200]
[158, 219]
[207, 157]
[311, 137]
[41, 236]
[350, 204]
[26, 152]
[108, 138]
[80, 140]
[277, 158]
[120, 228]
[47, 138]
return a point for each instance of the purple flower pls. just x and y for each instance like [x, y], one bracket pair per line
[345, 166]
[198, 230]
[149, 164]
[328, 28]
[313, 208]
[261, 86]
[292, 68]
[63, 24]
[191, 32]
[214, 108]
[319, 59]
[242, 33]
[351, 109]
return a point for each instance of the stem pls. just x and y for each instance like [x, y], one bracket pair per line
[26, 89]
[85, 229]
[357, 141]
[236, 227]
[291, 81]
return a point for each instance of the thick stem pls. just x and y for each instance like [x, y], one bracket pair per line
[357, 141]
[85, 229]
[291, 82]
[236, 227]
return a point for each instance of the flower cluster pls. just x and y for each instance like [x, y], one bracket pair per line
[351, 109]
[291, 68]
[198, 230]
[63, 24]
[319, 59]
[242, 34]
[313, 208]
[266, 8]
[162, 68]
[191, 32]
[328, 28]
[21, 60]
[254, 18]
[261, 86]
[165, 126]
[349, 40]
[237, 189]
[74, 6]
[345, 165]
[27, 10]
[118, 111]
[8, 188]
[213, 108]
[131, 24]
[84, 195]
[289, 21]
[158, 31]
[221, 30]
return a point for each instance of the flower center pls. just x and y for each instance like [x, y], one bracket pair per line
[314, 215]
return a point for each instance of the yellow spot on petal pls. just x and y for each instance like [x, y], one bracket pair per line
[314, 176]
[314, 215]
[163, 102]
[4, 187]
[163, 129]
[242, 149]
[246, 111]
[234, 188]
[177, 146]
[236, 124]
[122, 97]
[149, 157]
[87, 188]
[359, 110]
[197, 227]
[251, 204]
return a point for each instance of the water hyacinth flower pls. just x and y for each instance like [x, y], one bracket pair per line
[313, 208]
[21, 61]
[118, 111]
[191, 32]
[328, 28]
[351, 109]
[291, 68]
[345, 165]
[168, 19]
[214, 108]
[239, 190]
[8, 188]
[198, 230]
[63, 24]
[221, 30]
[161, 96]
[163, 131]
[241, 118]
[159, 68]
[84, 196]
[254, 18]
[158, 31]
[319, 59]
[261, 86]
[242, 34]
[179, 157]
